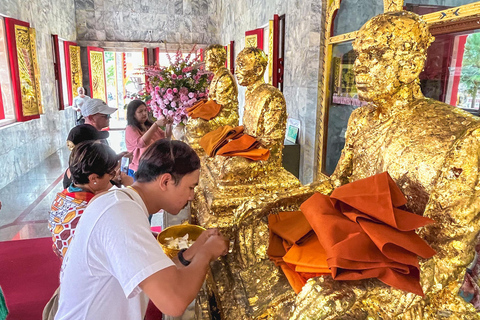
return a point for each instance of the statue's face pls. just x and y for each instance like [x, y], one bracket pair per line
[376, 67]
[212, 63]
[246, 69]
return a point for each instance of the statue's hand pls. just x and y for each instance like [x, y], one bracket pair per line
[253, 209]
[325, 298]
[323, 186]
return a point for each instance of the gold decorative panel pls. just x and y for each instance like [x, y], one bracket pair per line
[26, 72]
[76, 69]
[457, 13]
[251, 41]
[229, 52]
[36, 71]
[97, 75]
[270, 51]
[392, 5]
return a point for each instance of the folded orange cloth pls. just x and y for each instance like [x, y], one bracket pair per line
[216, 139]
[290, 233]
[228, 141]
[195, 106]
[365, 236]
[204, 109]
[245, 146]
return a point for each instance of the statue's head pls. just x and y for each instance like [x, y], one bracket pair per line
[215, 57]
[391, 52]
[250, 66]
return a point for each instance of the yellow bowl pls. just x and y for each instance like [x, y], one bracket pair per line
[178, 231]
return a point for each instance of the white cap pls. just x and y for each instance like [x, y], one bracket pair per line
[93, 106]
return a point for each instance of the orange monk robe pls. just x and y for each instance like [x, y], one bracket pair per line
[366, 236]
[206, 110]
[228, 141]
[216, 139]
[361, 234]
[245, 146]
[290, 235]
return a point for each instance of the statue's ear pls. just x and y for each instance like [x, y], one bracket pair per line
[410, 69]
[259, 70]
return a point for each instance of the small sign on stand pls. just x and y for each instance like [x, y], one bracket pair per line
[293, 128]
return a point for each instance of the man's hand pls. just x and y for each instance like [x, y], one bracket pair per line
[216, 245]
[201, 240]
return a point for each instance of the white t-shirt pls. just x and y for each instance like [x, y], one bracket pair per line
[79, 101]
[112, 252]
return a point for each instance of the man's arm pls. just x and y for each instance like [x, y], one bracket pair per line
[173, 288]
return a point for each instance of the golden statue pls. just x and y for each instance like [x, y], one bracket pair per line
[430, 149]
[227, 182]
[223, 90]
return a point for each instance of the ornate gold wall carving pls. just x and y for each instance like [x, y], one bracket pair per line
[251, 41]
[26, 72]
[76, 69]
[392, 5]
[457, 13]
[97, 74]
[36, 71]
[270, 51]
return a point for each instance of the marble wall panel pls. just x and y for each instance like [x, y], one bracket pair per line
[23, 145]
[302, 54]
[177, 21]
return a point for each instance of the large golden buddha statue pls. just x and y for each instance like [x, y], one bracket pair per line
[223, 90]
[227, 182]
[432, 152]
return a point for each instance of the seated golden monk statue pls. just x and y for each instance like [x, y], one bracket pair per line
[227, 182]
[223, 90]
[432, 152]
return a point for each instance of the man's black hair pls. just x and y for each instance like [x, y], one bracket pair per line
[91, 157]
[167, 156]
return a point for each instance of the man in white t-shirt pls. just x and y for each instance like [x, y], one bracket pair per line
[114, 264]
[78, 102]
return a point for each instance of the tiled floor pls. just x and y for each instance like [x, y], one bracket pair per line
[26, 201]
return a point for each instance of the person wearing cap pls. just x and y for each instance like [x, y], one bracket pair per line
[78, 134]
[78, 102]
[97, 113]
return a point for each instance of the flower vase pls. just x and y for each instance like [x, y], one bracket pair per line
[168, 130]
[179, 132]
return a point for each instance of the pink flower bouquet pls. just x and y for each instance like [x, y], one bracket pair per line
[170, 90]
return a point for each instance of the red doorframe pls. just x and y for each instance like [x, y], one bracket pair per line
[2, 112]
[12, 52]
[58, 70]
[458, 69]
[145, 61]
[156, 56]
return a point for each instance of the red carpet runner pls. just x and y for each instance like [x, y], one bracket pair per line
[29, 272]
